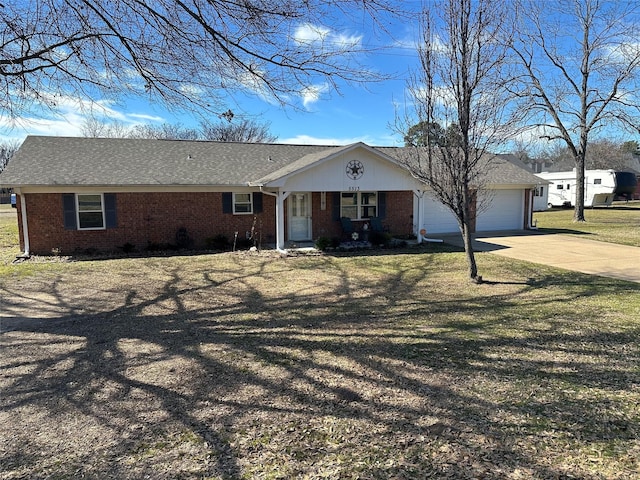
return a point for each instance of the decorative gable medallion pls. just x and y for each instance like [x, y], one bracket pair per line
[354, 169]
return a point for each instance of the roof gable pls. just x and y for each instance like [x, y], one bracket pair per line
[315, 159]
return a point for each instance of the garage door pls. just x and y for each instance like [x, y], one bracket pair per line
[437, 218]
[505, 212]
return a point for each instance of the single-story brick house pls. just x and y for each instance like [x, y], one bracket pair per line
[103, 193]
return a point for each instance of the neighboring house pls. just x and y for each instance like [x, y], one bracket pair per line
[76, 194]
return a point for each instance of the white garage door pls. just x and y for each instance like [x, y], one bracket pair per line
[437, 218]
[505, 212]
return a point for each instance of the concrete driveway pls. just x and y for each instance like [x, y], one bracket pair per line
[562, 251]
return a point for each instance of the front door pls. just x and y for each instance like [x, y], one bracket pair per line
[299, 216]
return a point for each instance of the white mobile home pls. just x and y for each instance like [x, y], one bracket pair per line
[600, 186]
[541, 198]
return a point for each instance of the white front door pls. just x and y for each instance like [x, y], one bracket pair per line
[299, 216]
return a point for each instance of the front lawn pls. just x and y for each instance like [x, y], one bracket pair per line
[619, 223]
[251, 366]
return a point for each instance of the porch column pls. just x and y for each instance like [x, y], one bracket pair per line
[280, 198]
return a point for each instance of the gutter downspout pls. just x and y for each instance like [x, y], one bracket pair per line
[25, 227]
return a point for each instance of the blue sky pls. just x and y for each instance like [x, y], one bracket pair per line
[358, 112]
[319, 115]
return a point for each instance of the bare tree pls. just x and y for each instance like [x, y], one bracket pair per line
[602, 154]
[557, 158]
[244, 130]
[459, 85]
[579, 61]
[607, 154]
[183, 52]
[7, 150]
[164, 131]
[95, 128]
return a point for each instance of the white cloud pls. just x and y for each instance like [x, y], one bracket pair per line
[439, 46]
[346, 41]
[69, 117]
[621, 54]
[534, 139]
[442, 96]
[317, 35]
[312, 93]
[415, 43]
[191, 90]
[406, 43]
[66, 126]
[145, 117]
[308, 34]
[310, 140]
[253, 84]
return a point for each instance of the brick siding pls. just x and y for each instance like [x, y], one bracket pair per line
[144, 219]
[399, 217]
[154, 218]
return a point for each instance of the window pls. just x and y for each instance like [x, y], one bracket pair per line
[90, 210]
[597, 181]
[242, 203]
[538, 192]
[95, 211]
[358, 205]
[560, 186]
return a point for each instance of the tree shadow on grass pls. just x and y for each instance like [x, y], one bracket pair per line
[219, 375]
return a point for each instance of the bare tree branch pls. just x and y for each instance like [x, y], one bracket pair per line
[187, 53]
[579, 61]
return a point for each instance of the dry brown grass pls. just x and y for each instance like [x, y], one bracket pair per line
[255, 366]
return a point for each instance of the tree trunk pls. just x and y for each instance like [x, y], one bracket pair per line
[471, 258]
[578, 213]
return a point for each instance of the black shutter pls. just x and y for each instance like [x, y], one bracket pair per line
[111, 218]
[257, 202]
[69, 211]
[227, 202]
[382, 204]
[335, 207]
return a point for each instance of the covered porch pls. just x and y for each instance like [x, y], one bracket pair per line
[342, 216]
[357, 182]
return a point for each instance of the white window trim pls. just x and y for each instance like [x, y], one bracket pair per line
[234, 203]
[104, 226]
[359, 204]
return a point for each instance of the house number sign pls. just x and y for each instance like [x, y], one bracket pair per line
[354, 169]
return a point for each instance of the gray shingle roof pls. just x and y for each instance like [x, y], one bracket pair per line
[68, 161]
[113, 161]
[502, 169]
